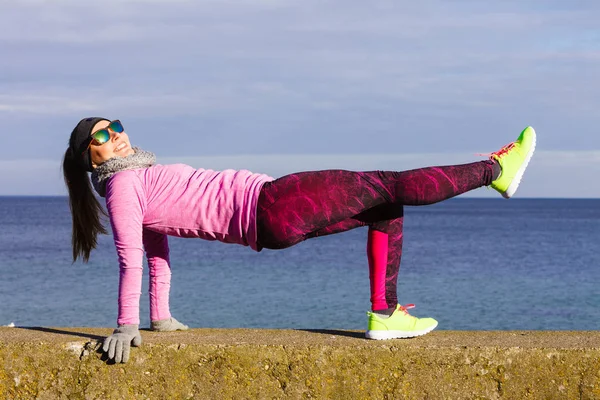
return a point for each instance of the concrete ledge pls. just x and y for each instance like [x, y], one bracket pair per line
[62, 363]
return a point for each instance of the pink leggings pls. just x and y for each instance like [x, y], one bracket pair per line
[304, 205]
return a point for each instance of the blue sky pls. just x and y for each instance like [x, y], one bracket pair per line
[282, 86]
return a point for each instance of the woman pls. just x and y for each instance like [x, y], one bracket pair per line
[147, 202]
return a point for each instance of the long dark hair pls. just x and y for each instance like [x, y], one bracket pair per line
[85, 208]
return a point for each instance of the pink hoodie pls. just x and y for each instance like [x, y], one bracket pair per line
[145, 205]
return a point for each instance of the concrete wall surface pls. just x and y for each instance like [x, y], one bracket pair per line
[64, 363]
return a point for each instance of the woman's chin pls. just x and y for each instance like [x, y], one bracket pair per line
[125, 152]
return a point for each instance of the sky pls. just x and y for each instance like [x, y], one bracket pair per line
[280, 86]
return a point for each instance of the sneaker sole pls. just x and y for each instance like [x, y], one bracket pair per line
[382, 335]
[512, 188]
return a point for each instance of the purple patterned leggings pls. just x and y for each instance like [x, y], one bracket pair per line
[304, 205]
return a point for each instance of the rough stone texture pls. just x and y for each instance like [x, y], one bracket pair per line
[63, 363]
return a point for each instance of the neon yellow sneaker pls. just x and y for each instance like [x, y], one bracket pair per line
[398, 325]
[513, 158]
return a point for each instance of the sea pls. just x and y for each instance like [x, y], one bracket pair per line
[471, 263]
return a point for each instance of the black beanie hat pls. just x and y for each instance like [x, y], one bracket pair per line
[80, 141]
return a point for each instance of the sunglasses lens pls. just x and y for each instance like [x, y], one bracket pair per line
[102, 136]
[116, 126]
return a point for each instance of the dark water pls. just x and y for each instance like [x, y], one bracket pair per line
[483, 264]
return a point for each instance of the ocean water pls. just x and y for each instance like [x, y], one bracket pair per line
[473, 264]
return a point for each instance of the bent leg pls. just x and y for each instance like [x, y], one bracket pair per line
[384, 250]
[310, 204]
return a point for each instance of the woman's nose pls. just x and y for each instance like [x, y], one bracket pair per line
[114, 135]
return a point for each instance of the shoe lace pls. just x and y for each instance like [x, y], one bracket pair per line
[499, 153]
[406, 307]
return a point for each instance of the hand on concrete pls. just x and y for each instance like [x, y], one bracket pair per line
[118, 344]
[168, 325]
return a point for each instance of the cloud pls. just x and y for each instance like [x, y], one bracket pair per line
[399, 44]
[31, 178]
[119, 21]
[42, 104]
[66, 102]
[428, 55]
[301, 77]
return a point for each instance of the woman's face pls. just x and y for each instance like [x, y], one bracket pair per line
[117, 146]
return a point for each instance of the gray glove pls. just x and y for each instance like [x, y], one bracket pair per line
[118, 344]
[168, 325]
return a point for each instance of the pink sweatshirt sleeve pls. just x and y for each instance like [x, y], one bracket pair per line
[157, 252]
[126, 201]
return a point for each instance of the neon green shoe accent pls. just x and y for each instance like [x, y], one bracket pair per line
[398, 325]
[514, 158]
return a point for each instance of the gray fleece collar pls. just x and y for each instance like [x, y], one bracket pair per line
[101, 174]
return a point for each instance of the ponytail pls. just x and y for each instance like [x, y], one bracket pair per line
[85, 208]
